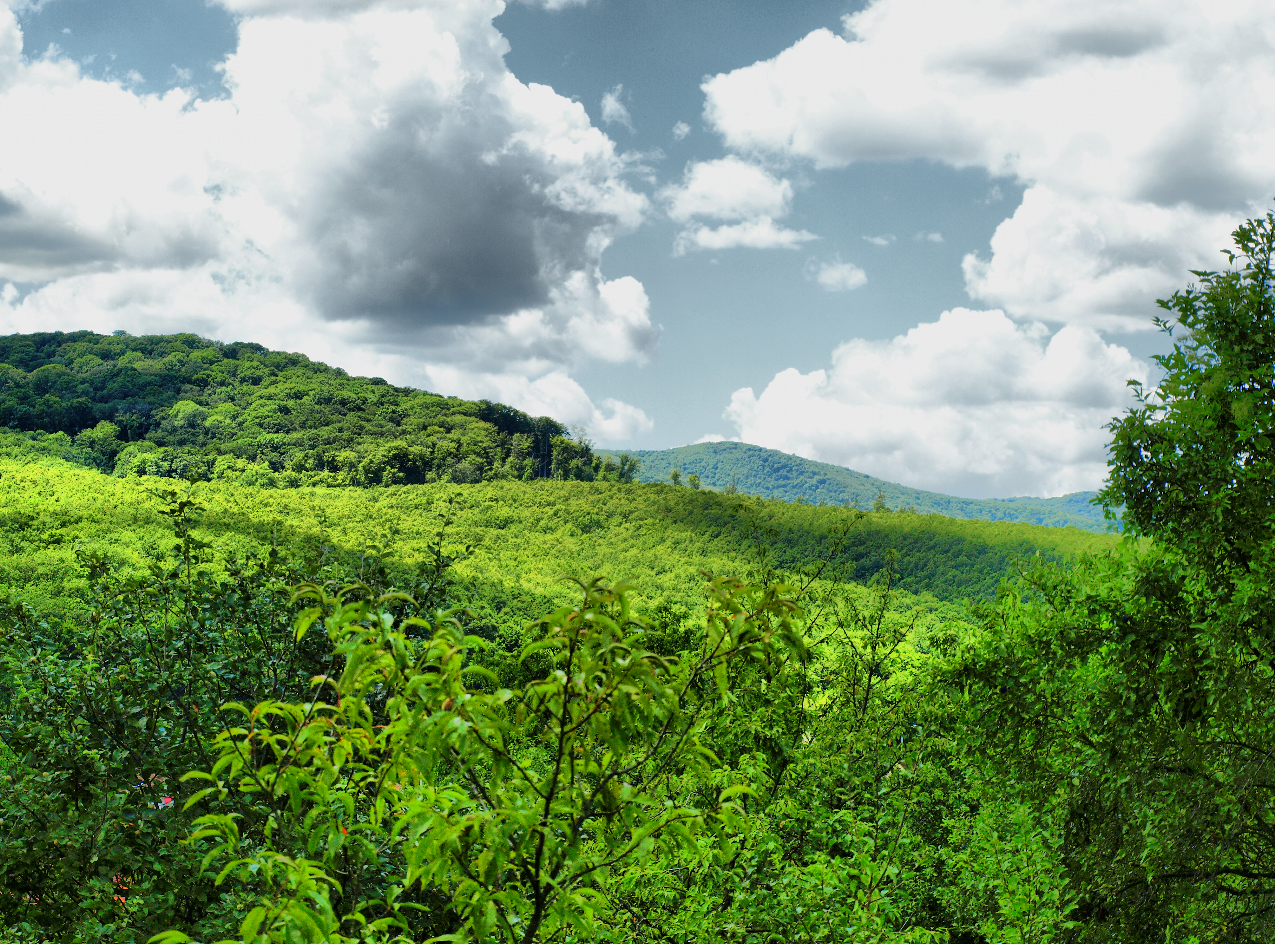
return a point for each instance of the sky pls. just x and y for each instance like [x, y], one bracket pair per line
[920, 239]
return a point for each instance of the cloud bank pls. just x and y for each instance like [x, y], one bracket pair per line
[1142, 133]
[377, 188]
[972, 403]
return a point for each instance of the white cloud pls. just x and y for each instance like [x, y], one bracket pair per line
[29, 6]
[972, 404]
[554, 394]
[928, 237]
[1120, 117]
[681, 130]
[761, 233]
[613, 110]
[1101, 262]
[727, 189]
[837, 276]
[710, 438]
[880, 240]
[553, 4]
[377, 189]
[732, 190]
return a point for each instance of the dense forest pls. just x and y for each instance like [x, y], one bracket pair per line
[753, 470]
[136, 608]
[574, 711]
[182, 406]
[524, 535]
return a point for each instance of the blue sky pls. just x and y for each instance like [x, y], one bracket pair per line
[920, 241]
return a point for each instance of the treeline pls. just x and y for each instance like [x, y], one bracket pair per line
[182, 406]
[754, 470]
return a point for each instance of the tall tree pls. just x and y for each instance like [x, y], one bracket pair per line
[1130, 701]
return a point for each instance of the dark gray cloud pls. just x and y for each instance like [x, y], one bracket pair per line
[1110, 41]
[36, 247]
[1043, 54]
[421, 232]
[1200, 168]
[438, 220]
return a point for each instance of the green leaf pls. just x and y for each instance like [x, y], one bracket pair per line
[248, 930]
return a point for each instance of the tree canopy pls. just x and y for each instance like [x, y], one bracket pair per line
[182, 406]
[1131, 699]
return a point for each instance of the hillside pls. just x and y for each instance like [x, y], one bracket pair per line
[527, 536]
[182, 406]
[117, 656]
[753, 470]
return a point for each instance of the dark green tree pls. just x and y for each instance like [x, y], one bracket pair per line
[1131, 701]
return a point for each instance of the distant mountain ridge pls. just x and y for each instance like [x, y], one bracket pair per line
[754, 470]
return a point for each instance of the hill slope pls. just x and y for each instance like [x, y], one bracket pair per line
[186, 407]
[183, 406]
[754, 470]
[527, 536]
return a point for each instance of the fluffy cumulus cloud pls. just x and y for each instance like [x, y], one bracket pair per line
[743, 198]
[973, 403]
[1142, 130]
[377, 188]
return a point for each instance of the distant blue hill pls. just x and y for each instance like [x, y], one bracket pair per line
[752, 470]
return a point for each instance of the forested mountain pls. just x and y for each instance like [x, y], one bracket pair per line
[182, 406]
[132, 610]
[543, 711]
[754, 470]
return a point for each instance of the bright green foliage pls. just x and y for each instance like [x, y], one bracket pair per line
[185, 620]
[754, 470]
[514, 806]
[766, 782]
[843, 836]
[181, 406]
[1011, 866]
[526, 536]
[1130, 702]
[103, 718]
